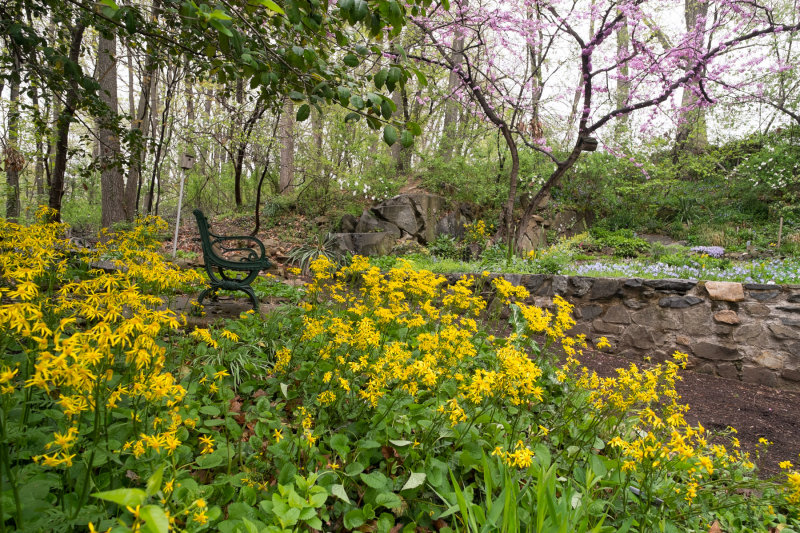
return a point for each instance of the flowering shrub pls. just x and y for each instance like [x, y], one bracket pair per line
[383, 401]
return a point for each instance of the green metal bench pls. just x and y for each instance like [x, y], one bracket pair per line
[219, 267]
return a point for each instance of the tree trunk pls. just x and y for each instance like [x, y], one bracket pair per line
[692, 136]
[449, 129]
[112, 185]
[286, 175]
[14, 161]
[63, 124]
[401, 154]
[623, 83]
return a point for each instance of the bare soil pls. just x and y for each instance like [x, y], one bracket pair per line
[755, 411]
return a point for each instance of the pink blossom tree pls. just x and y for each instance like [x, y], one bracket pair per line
[530, 67]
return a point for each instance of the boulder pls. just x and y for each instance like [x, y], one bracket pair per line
[428, 208]
[709, 350]
[568, 223]
[532, 237]
[679, 302]
[379, 243]
[617, 314]
[605, 288]
[727, 317]
[348, 223]
[369, 223]
[452, 224]
[726, 291]
[769, 359]
[761, 376]
[400, 212]
[670, 285]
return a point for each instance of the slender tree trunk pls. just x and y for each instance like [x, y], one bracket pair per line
[63, 124]
[14, 160]
[400, 153]
[112, 184]
[286, 175]
[141, 121]
[241, 149]
[623, 83]
[692, 136]
[449, 129]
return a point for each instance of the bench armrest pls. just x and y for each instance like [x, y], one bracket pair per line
[253, 256]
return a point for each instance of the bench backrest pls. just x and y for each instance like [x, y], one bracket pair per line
[205, 233]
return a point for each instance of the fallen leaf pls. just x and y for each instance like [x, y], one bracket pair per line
[715, 528]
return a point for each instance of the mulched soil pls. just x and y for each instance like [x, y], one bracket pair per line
[754, 410]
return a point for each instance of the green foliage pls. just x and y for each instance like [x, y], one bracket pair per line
[445, 247]
[624, 242]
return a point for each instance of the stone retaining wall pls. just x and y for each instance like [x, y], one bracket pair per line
[749, 331]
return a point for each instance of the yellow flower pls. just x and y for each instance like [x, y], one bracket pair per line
[603, 343]
[200, 503]
[277, 435]
[200, 517]
[208, 444]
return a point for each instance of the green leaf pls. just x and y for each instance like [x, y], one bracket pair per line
[221, 27]
[272, 6]
[352, 117]
[155, 519]
[303, 112]
[380, 78]
[389, 134]
[154, 482]
[376, 480]
[351, 60]
[344, 95]
[294, 95]
[406, 139]
[123, 497]
[414, 480]
[414, 128]
[210, 461]
[338, 491]
[285, 390]
[358, 103]
[339, 443]
[353, 469]
[360, 10]
[210, 410]
[400, 442]
[354, 519]
[386, 112]
[362, 50]
[390, 500]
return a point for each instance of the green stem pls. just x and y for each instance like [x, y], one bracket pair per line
[11, 480]
[96, 436]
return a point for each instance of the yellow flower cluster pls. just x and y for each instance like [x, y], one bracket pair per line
[357, 362]
[93, 339]
[477, 231]
[521, 457]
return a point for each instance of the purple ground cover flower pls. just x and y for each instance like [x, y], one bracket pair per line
[711, 251]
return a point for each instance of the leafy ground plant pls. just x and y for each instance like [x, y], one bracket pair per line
[383, 401]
